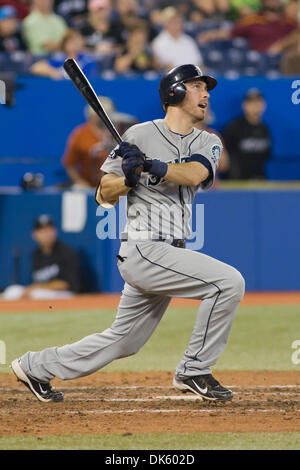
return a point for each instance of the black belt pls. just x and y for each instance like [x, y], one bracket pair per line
[178, 243]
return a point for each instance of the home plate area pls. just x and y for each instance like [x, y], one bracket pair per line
[146, 402]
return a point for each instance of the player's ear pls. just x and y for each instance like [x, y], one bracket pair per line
[177, 93]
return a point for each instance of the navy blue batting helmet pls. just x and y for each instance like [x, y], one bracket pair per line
[171, 87]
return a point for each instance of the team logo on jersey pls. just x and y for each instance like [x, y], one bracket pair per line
[112, 154]
[216, 152]
[153, 180]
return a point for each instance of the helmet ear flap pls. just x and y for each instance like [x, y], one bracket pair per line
[177, 93]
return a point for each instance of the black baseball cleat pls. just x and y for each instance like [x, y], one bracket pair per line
[204, 385]
[43, 391]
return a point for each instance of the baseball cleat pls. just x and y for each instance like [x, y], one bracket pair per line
[204, 385]
[43, 391]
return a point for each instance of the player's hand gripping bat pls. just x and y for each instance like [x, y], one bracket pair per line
[85, 88]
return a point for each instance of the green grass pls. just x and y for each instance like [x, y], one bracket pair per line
[260, 339]
[205, 441]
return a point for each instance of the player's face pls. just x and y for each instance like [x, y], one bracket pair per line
[45, 236]
[254, 108]
[195, 102]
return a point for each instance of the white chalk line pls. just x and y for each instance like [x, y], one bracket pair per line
[188, 398]
[170, 387]
[162, 387]
[210, 410]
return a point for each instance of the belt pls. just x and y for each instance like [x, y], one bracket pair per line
[178, 243]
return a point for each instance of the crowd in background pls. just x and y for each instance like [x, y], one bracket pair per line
[145, 36]
[128, 36]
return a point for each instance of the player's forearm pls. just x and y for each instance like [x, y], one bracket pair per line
[111, 188]
[187, 174]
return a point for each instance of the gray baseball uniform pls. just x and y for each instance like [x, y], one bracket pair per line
[154, 271]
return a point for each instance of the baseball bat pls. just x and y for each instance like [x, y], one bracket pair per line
[85, 88]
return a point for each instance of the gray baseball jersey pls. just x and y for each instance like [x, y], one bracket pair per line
[154, 271]
[157, 208]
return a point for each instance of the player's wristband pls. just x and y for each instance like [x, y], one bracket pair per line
[155, 167]
[197, 157]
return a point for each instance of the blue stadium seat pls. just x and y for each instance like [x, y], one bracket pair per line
[105, 62]
[272, 61]
[240, 43]
[235, 58]
[255, 60]
[18, 62]
[215, 60]
[232, 74]
[250, 71]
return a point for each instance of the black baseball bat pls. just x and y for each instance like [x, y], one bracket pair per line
[85, 88]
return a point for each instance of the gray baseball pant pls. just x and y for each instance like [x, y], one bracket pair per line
[153, 272]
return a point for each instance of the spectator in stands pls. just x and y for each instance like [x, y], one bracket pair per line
[137, 55]
[125, 15]
[291, 12]
[247, 139]
[22, 7]
[290, 62]
[10, 36]
[172, 46]
[73, 12]
[206, 11]
[100, 34]
[268, 31]
[43, 29]
[242, 8]
[72, 46]
[90, 143]
[55, 266]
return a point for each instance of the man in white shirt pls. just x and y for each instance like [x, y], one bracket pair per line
[172, 47]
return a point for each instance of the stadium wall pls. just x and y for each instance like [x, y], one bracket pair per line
[256, 231]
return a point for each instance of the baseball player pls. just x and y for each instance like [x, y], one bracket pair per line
[159, 166]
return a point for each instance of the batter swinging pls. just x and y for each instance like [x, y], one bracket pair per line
[176, 159]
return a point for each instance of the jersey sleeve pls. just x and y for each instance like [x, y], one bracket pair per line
[210, 151]
[113, 163]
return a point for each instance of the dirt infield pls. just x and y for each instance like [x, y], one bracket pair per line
[94, 301]
[146, 402]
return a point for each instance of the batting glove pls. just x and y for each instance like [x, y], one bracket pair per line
[123, 148]
[155, 167]
[132, 166]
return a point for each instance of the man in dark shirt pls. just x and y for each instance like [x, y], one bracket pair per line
[55, 267]
[247, 140]
[54, 264]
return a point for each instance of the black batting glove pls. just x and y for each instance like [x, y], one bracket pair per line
[155, 167]
[123, 148]
[132, 166]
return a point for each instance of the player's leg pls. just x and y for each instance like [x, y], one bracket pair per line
[184, 273]
[137, 317]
